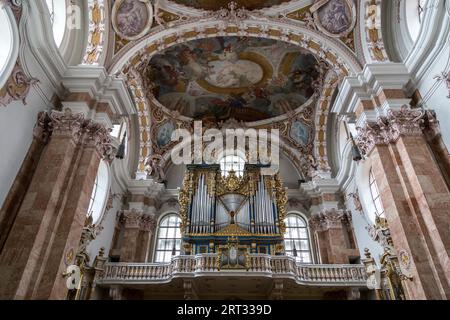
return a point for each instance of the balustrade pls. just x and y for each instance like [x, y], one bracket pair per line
[266, 265]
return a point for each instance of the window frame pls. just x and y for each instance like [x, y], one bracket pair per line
[94, 194]
[237, 164]
[376, 196]
[10, 63]
[299, 258]
[162, 219]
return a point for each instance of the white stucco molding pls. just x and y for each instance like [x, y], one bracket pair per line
[368, 84]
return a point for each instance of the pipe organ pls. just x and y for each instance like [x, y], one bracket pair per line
[219, 212]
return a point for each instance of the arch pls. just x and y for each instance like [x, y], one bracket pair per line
[297, 239]
[331, 50]
[9, 46]
[168, 237]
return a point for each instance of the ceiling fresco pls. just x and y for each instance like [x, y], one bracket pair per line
[248, 79]
[217, 4]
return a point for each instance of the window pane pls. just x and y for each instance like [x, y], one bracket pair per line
[169, 237]
[296, 236]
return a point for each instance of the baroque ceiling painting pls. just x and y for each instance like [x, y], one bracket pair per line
[218, 4]
[132, 19]
[247, 79]
[335, 17]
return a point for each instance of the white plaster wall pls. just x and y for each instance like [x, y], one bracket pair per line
[16, 126]
[439, 101]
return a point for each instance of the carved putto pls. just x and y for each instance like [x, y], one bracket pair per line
[153, 167]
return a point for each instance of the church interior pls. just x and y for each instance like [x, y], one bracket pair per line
[116, 182]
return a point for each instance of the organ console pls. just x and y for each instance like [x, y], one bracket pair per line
[232, 215]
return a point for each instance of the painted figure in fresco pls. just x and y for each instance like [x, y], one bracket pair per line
[335, 17]
[132, 17]
[164, 134]
[299, 132]
[221, 76]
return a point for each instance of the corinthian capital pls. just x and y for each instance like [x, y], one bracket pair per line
[329, 219]
[67, 124]
[97, 135]
[131, 219]
[148, 223]
[405, 122]
[370, 135]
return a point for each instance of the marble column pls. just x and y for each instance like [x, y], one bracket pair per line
[131, 220]
[147, 230]
[47, 229]
[138, 231]
[330, 228]
[415, 197]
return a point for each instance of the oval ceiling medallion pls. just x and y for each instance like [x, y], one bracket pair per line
[335, 18]
[244, 78]
[132, 19]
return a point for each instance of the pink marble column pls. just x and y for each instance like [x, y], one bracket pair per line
[415, 197]
[49, 221]
[329, 228]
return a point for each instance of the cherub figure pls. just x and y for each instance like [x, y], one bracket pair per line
[153, 167]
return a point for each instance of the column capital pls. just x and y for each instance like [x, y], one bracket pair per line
[97, 135]
[399, 122]
[131, 219]
[74, 125]
[329, 219]
[67, 124]
[148, 223]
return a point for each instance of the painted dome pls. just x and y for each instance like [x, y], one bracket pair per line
[248, 79]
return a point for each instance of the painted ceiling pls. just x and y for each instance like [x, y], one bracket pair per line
[217, 4]
[247, 79]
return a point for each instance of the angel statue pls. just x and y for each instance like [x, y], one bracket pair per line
[153, 167]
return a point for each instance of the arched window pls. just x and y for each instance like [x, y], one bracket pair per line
[375, 193]
[168, 243]
[296, 238]
[6, 42]
[232, 163]
[99, 193]
[58, 18]
[414, 13]
[119, 131]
